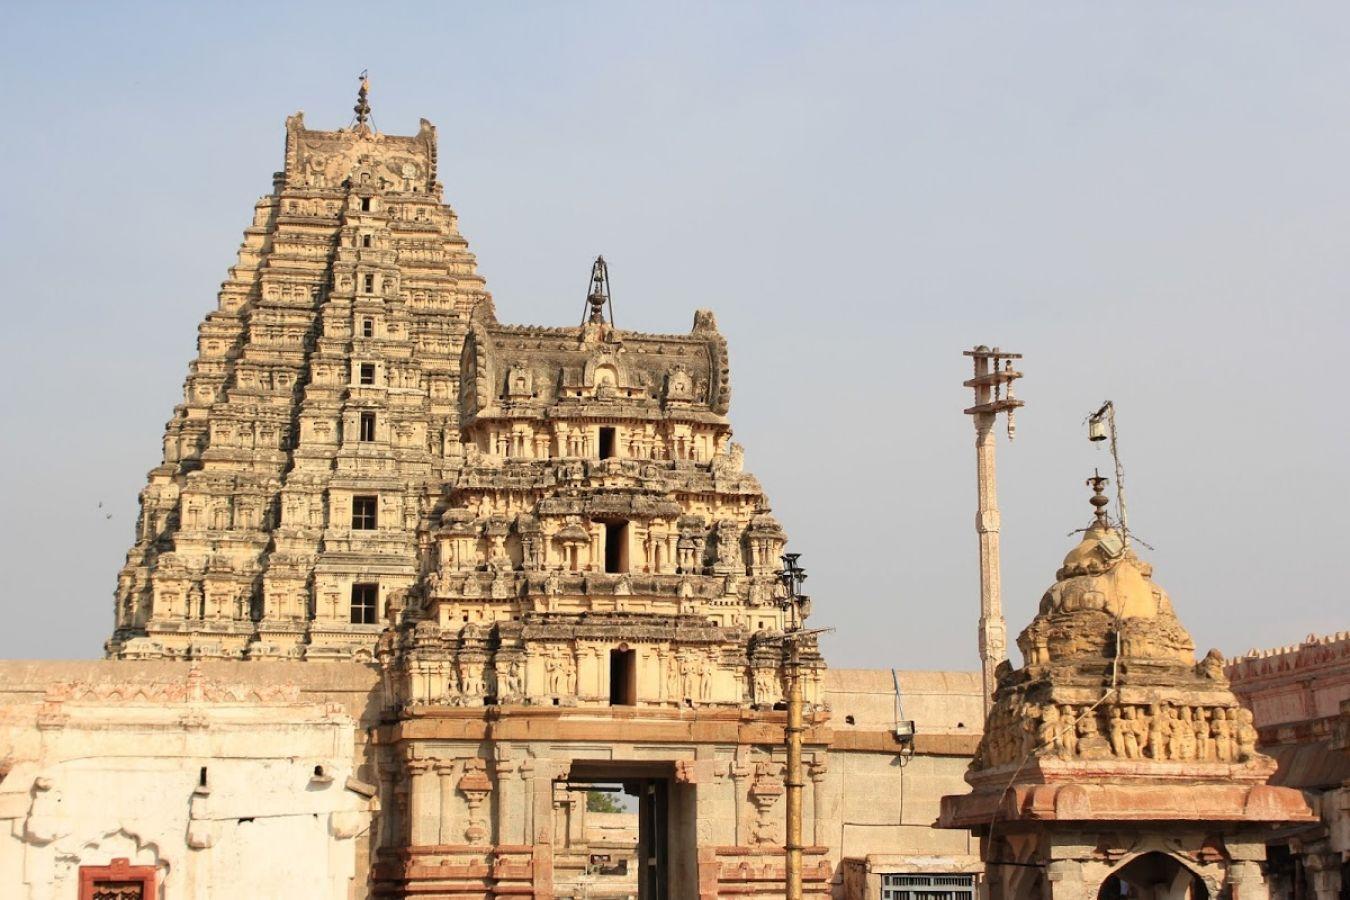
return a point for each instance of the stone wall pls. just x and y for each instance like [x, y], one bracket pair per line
[1300, 698]
[227, 779]
[104, 760]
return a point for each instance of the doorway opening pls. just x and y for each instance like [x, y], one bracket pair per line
[622, 676]
[624, 829]
[606, 443]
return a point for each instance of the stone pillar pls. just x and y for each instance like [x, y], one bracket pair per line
[421, 804]
[1323, 868]
[539, 790]
[816, 770]
[1064, 881]
[389, 800]
[1248, 881]
[445, 771]
[741, 770]
[509, 815]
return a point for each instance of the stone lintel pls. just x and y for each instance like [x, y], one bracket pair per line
[1213, 804]
[732, 726]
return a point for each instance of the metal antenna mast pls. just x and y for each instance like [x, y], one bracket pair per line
[993, 373]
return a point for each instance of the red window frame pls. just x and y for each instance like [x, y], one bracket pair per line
[119, 869]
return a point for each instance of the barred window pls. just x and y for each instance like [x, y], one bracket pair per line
[927, 887]
[365, 597]
[364, 512]
[367, 426]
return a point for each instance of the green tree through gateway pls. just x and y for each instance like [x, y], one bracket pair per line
[602, 802]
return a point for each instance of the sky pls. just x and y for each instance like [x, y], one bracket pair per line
[1150, 201]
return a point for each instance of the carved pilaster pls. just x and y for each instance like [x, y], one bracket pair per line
[422, 829]
[817, 771]
[510, 816]
[445, 774]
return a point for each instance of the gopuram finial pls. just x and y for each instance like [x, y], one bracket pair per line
[599, 297]
[1099, 499]
[362, 107]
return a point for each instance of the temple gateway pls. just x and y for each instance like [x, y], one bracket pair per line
[421, 604]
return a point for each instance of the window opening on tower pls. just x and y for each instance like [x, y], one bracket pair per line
[364, 513]
[622, 676]
[616, 546]
[365, 598]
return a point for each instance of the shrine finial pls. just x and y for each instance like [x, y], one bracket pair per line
[1099, 499]
[362, 107]
[599, 296]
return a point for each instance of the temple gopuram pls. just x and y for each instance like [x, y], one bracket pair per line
[463, 609]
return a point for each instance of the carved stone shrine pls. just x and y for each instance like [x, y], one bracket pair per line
[1113, 763]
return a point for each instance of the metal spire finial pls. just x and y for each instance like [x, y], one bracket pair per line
[362, 107]
[1099, 499]
[599, 296]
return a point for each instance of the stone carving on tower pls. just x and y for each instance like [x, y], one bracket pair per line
[1113, 744]
[601, 543]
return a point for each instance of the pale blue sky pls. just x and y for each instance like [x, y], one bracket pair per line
[1149, 200]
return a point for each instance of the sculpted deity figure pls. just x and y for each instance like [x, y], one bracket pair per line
[1048, 734]
[705, 682]
[1183, 735]
[1204, 744]
[506, 683]
[767, 690]
[688, 688]
[1118, 728]
[1091, 744]
[1223, 736]
[1157, 732]
[1031, 714]
[557, 676]
[471, 677]
[1068, 732]
[673, 677]
[1245, 735]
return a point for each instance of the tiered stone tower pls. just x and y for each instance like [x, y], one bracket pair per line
[1113, 764]
[320, 420]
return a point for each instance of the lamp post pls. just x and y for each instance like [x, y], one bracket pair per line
[993, 373]
[798, 607]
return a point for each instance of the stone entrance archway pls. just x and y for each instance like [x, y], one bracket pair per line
[1154, 876]
[650, 857]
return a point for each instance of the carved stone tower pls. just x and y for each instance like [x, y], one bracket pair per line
[1111, 761]
[320, 418]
